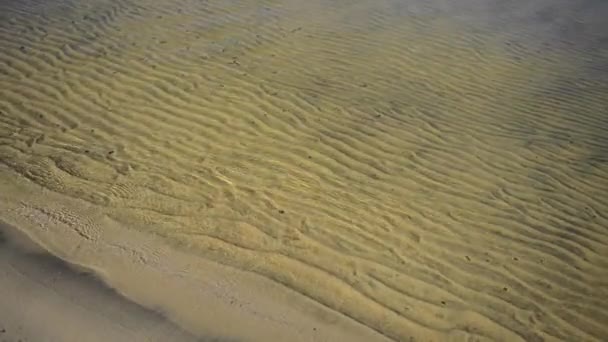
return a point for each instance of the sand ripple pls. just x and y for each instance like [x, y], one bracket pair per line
[413, 167]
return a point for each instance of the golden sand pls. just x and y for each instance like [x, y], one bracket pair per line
[415, 170]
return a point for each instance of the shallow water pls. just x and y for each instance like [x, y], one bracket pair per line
[431, 169]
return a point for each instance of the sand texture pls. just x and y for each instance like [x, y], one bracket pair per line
[323, 170]
[45, 299]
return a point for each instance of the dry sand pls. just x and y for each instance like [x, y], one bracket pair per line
[45, 298]
[306, 170]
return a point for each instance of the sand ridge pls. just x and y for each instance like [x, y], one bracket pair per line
[408, 165]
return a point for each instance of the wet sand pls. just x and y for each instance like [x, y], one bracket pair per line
[328, 170]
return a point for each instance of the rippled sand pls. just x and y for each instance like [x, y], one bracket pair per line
[420, 170]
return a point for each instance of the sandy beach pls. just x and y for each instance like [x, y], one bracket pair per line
[124, 285]
[387, 170]
[45, 298]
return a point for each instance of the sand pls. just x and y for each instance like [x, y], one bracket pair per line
[44, 298]
[319, 170]
[135, 287]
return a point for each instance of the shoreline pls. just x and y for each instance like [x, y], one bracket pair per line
[201, 297]
[89, 309]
